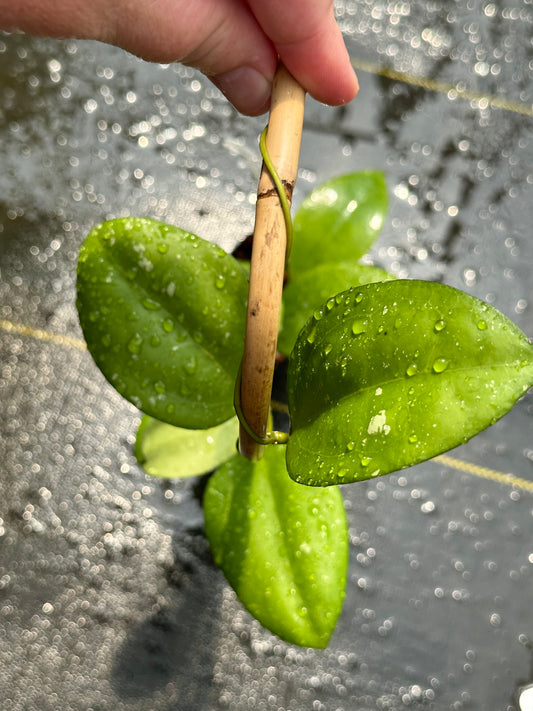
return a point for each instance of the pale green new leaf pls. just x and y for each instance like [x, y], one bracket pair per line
[395, 373]
[338, 220]
[174, 452]
[283, 547]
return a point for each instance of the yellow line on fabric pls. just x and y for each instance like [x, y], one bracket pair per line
[484, 472]
[458, 464]
[41, 335]
[453, 90]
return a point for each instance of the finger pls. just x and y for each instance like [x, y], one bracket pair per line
[222, 38]
[311, 46]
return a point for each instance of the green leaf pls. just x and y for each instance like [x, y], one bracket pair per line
[338, 221]
[307, 291]
[163, 313]
[173, 452]
[282, 547]
[396, 373]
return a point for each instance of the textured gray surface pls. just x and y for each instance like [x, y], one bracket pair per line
[108, 598]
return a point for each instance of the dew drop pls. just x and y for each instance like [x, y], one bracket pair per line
[482, 324]
[412, 439]
[135, 344]
[365, 461]
[440, 365]
[190, 365]
[427, 507]
[440, 325]
[150, 304]
[162, 248]
[330, 303]
[350, 446]
[155, 341]
[411, 370]
[159, 387]
[168, 325]
[358, 327]
[328, 348]
[220, 281]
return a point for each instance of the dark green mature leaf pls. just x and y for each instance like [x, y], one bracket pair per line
[396, 373]
[163, 313]
[338, 221]
[282, 547]
[307, 291]
[174, 452]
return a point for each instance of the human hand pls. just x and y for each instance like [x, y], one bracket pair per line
[236, 43]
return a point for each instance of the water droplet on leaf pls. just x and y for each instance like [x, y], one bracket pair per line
[150, 304]
[358, 327]
[440, 365]
[190, 365]
[135, 344]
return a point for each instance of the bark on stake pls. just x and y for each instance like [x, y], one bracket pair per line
[268, 260]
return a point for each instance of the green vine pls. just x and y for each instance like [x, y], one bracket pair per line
[280, 189]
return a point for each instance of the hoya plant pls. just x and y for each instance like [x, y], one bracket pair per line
[382, 374]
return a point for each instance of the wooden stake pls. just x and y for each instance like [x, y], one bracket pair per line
[268, 260]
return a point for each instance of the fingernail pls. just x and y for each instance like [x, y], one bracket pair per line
[247, 89]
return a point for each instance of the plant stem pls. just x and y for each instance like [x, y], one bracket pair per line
[268, 260]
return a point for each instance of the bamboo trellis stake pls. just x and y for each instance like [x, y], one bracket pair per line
[268, 260]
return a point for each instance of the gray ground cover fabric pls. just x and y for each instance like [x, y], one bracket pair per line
[109, 600]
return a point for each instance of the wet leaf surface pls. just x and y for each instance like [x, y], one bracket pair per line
[395, 373]
[283, 547]
[163, 314]
[306, 292]
[174, 452]
[338, 221]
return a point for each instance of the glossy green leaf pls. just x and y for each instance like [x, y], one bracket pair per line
[396, 373]
[338, 221]
[307, 291]
[282, 547]
[174, 452]
[163, 313]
